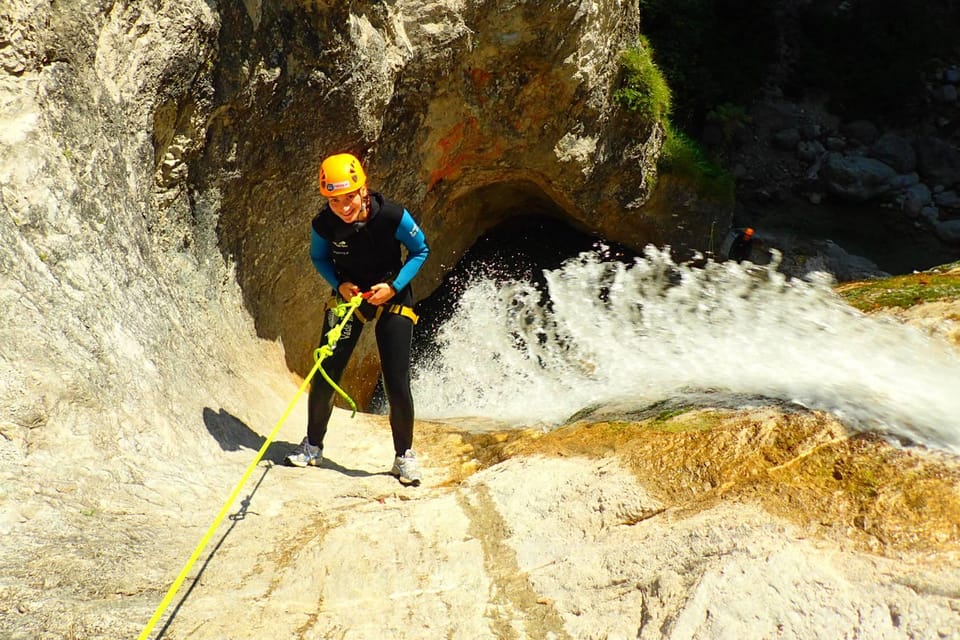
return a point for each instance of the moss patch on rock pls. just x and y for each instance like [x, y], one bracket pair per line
[941, 283]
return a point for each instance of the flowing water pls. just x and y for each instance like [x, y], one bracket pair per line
[599, 331]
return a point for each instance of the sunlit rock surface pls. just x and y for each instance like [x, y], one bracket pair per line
[156, 174]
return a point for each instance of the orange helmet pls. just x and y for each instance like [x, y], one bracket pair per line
[339, 174]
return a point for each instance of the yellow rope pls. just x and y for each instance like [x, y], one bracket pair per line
[321, 353]
[345, 310]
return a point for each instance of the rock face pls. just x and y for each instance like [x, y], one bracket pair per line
[156, 181]
[109, 283]
[703, 524]
[191, 137]
[467, 113]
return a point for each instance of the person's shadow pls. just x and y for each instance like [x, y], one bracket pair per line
[232, 434]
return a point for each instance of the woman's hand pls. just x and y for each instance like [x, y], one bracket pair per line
[380, 293]
[347, 290]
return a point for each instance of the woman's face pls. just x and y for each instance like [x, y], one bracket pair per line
[349, 207]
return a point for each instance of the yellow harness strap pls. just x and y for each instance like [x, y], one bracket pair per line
[398, 309]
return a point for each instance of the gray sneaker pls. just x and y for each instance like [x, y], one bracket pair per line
[305, 455]
[406, 468]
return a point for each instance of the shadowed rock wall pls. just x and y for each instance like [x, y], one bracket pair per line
[460, 111]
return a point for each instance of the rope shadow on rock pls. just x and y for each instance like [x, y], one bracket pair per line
[235, 517]
[232, 434]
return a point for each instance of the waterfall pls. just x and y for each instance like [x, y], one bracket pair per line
[600, 331]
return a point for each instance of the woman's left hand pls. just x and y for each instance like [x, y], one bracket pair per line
[380, 293]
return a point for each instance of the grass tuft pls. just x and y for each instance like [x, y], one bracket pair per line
[644, 90]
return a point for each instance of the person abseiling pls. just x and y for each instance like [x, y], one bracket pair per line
[355, 245]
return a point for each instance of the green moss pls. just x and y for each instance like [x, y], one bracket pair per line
[645, 92]
[730, 118]
[686, 420]
[903, 291]
[621, 427]
[643, 89]
[668, 420]
[666, 415]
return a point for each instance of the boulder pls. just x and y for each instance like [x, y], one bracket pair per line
[938, 161]
[896, 151]
[863, 131]
[856, 178]
[948, 231]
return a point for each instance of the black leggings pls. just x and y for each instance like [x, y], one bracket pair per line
[394, 334]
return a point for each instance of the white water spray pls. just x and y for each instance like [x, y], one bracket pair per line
[636, 334]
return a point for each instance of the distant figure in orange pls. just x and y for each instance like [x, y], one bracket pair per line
[742, 245]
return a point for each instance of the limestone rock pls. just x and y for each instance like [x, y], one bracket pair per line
[156, 181]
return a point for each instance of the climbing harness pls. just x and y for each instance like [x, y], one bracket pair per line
[344, 311]
[398, 309]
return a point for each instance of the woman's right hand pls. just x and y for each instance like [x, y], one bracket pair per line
[347, 290]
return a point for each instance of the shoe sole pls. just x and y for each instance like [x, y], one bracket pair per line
[414, 482]
[312, 463]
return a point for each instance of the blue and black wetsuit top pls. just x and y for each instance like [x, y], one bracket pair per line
[368, 252]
